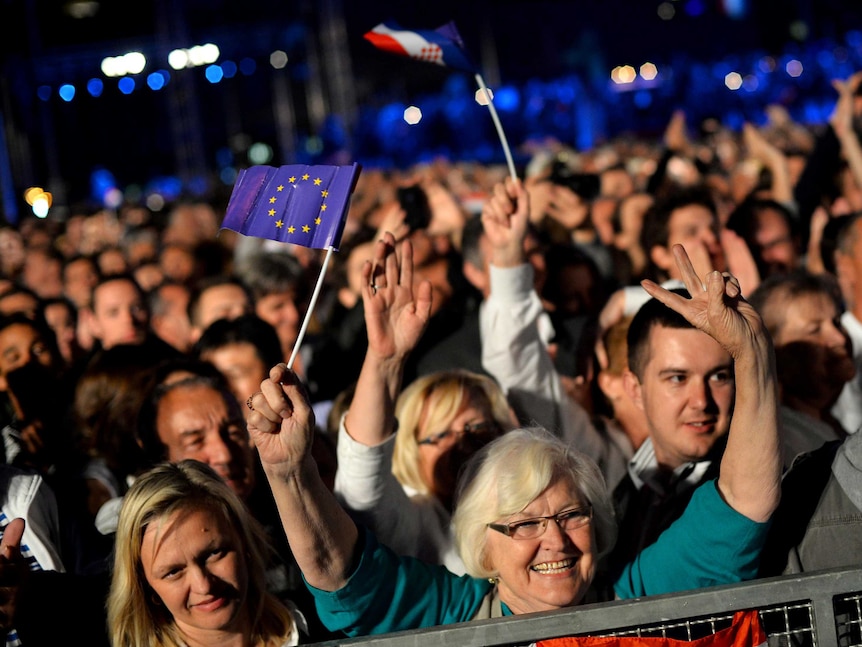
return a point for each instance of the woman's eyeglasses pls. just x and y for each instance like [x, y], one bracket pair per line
[535, 526]
[482, 428]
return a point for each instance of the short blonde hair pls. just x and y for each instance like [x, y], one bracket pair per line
[133, 617]
[508, 474]
[441, 395]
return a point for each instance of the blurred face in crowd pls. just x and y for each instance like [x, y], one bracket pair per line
[148, 276]
[279, 310]
[21, 344]
[119, 314]
[177, 263]
[11, 251]
[172, 323]
[813, 350]
[631, 213]
[19, 302]
[242, 366]
[79, 279]
[197, 421]
[775, 244]
[226, 301]
[694, 227]
[437, 273]
[112, 261]
[686, 392]
[553, 570]
[617, 183]
[192, 560]
[43, 274]
[63, 322]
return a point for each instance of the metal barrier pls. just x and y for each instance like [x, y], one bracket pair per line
[822, 609]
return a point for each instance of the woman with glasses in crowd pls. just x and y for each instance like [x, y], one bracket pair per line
[399, 453]
[516, 559]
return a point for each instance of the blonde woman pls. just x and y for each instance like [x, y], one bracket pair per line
[399, 453]
[189, 567]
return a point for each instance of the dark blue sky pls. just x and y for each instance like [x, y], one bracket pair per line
[41, 45]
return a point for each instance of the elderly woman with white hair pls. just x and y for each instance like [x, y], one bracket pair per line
[534, 517]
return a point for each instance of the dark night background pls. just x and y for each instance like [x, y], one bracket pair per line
[336, 86]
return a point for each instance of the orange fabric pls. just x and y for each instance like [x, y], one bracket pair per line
[744, 632]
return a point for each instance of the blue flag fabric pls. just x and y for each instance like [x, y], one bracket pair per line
[298, 204]
[441, 46]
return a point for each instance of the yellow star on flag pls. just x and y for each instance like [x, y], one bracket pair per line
[291, 229]
[272, 200]
[280, 187]
[306, 229]
[323, 207]
[324, 193]
[305, 177]
[317, 181]
[279, 223]
[291, 179]
[317, 220]
[271, 212]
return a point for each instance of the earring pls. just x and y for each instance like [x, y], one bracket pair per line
[493, 580]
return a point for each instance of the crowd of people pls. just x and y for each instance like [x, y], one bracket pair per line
[633, 370]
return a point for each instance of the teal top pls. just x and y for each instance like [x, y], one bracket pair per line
[710, 544]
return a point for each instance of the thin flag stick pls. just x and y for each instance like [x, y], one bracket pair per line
[497, 125]
[311, 303]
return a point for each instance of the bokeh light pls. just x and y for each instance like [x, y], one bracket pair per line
[412, 115]
[481, 99]
[733, 80]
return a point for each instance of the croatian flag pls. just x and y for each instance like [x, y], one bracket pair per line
[441, 46]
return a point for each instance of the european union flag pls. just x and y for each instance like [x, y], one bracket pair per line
[299, 204]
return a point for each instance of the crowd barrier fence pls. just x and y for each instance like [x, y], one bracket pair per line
[822, 609]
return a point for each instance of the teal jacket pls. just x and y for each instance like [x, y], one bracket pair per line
[710, 544]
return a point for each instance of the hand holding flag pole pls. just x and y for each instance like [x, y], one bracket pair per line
[303, 205]
[441, 46]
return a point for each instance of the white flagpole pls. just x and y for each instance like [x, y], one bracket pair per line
[497, 125]
[311, 303]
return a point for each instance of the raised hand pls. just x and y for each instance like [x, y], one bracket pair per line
[842, 116]
[716, 306]
[758, 146]
[505, 216]
[392, 220]
[281, 422]
[675, 135]
[322, 537]
[395, 314]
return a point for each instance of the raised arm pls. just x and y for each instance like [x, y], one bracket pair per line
[773, 159]
[513, 350]
[750, 475]
[842, 123]
[321, 535]
[395, 318]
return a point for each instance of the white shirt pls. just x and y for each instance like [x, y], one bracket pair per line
[848, 408]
